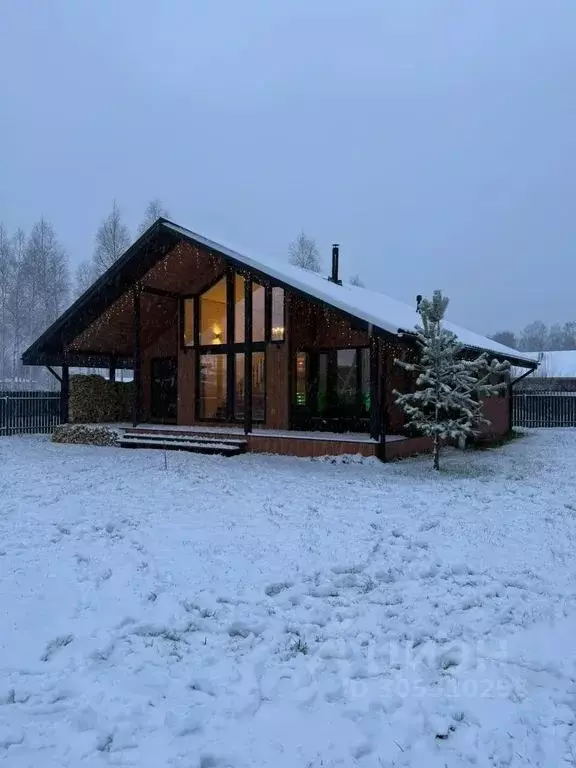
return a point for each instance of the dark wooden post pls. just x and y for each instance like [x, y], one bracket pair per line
[112, 372]
[383, 406]
[64, 393]
[510, 396]
[230, 339]
[248, 355]
[137, 393]
[375, 416]
[268, 314]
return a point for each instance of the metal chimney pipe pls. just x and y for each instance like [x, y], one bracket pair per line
[335, 264]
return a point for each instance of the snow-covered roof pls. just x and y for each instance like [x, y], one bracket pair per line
[375, 308]
[559, 365]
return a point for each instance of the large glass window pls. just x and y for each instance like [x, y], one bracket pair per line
[346, 377]
[258, 312]
[258, 385]
[189, 322]
[213, 399]
[333, 388]
[277, 333]
[219, 320]
[213, 315]
[239, 309]
[267, 307]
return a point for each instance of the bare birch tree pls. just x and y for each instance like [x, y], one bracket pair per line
[112, 239]
[303, 252]
[154, 210]
[6, 287]
[83, 277]
[46, 279]
[16, 304]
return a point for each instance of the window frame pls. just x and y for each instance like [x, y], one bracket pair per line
[313, 356]
[199, 357]
[231, 348]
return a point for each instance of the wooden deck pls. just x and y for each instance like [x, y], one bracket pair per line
[293, 443]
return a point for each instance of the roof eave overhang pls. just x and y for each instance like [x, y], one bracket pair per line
[50, 345]
[49, 348]
[150, 247]
[518, 362]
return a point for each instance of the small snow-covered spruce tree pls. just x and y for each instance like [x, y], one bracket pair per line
[448, 400]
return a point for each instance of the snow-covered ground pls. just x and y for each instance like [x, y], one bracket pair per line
[291, 613]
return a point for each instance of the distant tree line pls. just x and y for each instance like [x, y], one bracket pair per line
[538, 337]
[111, 240]
[34, 290]
[36, 285]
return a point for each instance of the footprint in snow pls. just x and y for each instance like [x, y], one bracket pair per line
[54, 645]
[429, 525]
[352, 568]
[275, 589]
[211, 761]
[11, 738]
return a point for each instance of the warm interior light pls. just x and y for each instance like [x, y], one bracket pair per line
[217, 333]
[278, 332]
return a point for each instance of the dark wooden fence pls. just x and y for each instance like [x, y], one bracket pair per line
[544, 409]
[28, 412]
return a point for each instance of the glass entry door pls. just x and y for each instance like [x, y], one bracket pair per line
[164, 389]
[332, 390]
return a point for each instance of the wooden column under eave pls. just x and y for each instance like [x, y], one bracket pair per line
[248, 355]
[375, 373]
[112, 372]
[64, 394]
[383, 402]
[137, 391]
[230, 338]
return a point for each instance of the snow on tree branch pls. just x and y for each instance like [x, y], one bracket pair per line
[447, 402]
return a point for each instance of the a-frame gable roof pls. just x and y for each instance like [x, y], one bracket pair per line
[376, 309]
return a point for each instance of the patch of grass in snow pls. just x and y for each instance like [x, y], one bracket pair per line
[298, 645]
[105, 743]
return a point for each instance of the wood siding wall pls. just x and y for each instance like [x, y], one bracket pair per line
[277, 389]
[186, 386]
[497, 410]
[288, 446]
[312, 325]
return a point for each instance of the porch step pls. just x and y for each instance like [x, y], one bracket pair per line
[195, 437]
[185, 442]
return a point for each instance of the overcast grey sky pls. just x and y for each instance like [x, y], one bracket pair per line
[434, 139]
